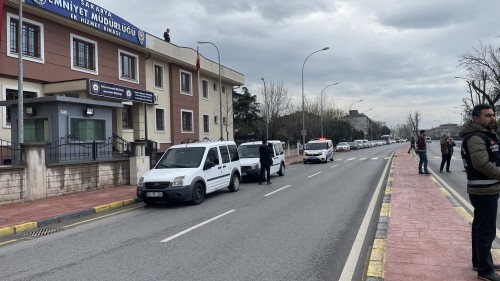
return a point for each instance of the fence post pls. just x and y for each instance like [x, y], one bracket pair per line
[94, 150]
[36, 176]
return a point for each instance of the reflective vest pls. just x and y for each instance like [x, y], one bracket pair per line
[475, 179]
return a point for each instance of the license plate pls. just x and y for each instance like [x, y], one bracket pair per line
[154, 194]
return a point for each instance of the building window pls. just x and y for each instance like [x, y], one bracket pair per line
[224, 121]
[206, 123]
[187, 121]
[223, 88]
[11, 94]
[36, 130]
[158, 72]
[204, 89]
[32, 38]
[129, 68]
[160, 119]
[83, 54]
[215, 119]
[127, 116]
[186, 83]
[88, 129]
[215, 87]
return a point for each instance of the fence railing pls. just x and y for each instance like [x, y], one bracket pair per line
[10, 153]
[72, 149]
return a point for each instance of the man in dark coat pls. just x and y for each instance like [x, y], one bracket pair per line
[266, 160]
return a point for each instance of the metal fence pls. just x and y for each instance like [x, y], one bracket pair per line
[73, 149]
[10, 153]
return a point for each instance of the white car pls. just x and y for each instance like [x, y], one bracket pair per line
[343, 146]
[250, 158]
[318, 150]
[187, 172]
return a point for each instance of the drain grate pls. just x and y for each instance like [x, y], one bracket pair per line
[41, 232]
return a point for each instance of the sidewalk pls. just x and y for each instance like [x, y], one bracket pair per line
[423, 235]
[427, 238]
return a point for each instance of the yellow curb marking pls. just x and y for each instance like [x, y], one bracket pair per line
[8, 242]
[388, 190]
[128, 202]
[102, 208]
[115, 205]
[25, 226]
[464, 214]
[377, 258]
[4, 231]
[385, 211]
[444, 192]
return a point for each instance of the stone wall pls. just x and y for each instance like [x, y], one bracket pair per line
[63, 179]
[12, 181]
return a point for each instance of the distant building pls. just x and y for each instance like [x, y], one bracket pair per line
[450, 129]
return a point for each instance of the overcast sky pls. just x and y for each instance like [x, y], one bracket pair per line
[399, 56]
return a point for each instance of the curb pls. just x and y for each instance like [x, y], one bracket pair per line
[19, 228]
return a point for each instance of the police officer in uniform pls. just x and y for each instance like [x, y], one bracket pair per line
[481, 157]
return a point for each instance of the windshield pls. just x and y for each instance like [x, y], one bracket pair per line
[181, 157]
[249, 151]
[316, 146]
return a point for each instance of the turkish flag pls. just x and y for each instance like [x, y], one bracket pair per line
[197, 57]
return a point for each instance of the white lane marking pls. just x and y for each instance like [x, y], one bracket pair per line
[349, 159]
[375, 158]
[286, 186]
[314, 174]
[195, 227]
[350, 264]
[334, 166]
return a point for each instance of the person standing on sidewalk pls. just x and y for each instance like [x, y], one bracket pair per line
[447, 145]
[422, 153]
[266, 160]
[481, 157]
[412, 144]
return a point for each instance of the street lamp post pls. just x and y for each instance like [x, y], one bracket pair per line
[220, 87]
[352, 105]
[321, 105]
[266, 109]
[303, 113]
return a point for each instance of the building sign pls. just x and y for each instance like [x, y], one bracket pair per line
[103, 89]
[92, 15]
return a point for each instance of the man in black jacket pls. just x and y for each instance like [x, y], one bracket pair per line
[481, 155]
[266, 160]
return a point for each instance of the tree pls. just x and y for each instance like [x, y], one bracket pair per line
[413, 121]
[483, 67]
[246, 116]
[277, 103]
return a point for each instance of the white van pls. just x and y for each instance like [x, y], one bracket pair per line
[318, 150]
[187, 172]
[428, 139]
[249, 158]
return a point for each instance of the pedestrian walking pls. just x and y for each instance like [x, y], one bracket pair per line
[422, 153]
[412, 144]
[481, 155]
[447, 145]
[266, 160]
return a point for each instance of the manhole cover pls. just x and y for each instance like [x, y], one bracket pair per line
[41, 232]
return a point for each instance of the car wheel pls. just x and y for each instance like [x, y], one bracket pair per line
[235, 183]
[197, 194]
[281, 172]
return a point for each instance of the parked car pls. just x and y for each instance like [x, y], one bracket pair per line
[355, 145]
[428, 139]
[187, 172]
[250, 155]
[361, 144]
[343, 146]
[318, 150]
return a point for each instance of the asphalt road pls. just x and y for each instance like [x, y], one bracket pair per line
[302, 227]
